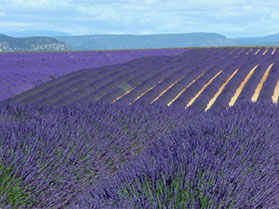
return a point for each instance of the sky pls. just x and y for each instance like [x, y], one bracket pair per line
[232, 18]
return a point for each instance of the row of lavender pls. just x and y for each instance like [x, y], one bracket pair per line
[173, 80]
[138, 156]
[90, 79]
[22, 71]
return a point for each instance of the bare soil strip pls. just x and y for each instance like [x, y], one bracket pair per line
[202, 89]
[147, 90]
[243, 83]
[260, 84]
[213, 99]
[184, 89]
[127, 92]
[257, 51]
[154, 100]
[265, 52]
[249, 51]
[275, 95]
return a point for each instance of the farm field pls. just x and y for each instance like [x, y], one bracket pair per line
[21, 71]
[207, 78]
[139, 156]
[189, 129]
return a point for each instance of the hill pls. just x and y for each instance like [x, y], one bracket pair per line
[100, 42]
[203, 78]
[10, 44]
[22, 71]
[270, 40]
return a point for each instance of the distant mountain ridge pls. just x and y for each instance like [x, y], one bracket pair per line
[103, 42]
[126, 41]
[10, 44]
[270, 40]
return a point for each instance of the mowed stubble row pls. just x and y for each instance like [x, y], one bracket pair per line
[204, 78]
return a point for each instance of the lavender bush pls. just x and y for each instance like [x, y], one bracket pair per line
[55, 153]
[98, 155]
[213, 163]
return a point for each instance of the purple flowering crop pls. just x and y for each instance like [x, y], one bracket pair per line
[22, 71]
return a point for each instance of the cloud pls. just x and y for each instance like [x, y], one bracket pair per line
[2, 14]
[230, 17]
[14, 24]
[37, 4]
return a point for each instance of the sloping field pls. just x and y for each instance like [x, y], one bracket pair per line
[20, 72]
[203, 78]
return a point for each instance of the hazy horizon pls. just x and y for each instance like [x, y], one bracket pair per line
[231, 18]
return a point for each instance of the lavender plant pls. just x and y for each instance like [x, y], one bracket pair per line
[12, 192]
[57, 151]
[214, 164]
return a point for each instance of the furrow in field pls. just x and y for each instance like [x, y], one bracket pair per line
[143, 82]
[127, 92]
[244, 51]
[275, 95]
[257, 51]
[159, 87]
[249, 51]
[221, 62]
[178, 97]
[201, 90]
[184, 89]
[244, 67]
[147, 86]
[90, 89]
[239, 52]
[269, 84]
[265, 52]
[163, 92]
[273, 52]
[239, 89]
[142, 94]
[121, 82]
[211, 102]
[235, 51]
[135, 79]
[187, 67]
[260, 84]
[249, 88]
[254, 50]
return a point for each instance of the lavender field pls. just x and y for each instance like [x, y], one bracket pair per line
[192, 128]
[23, 70]
[207, 78]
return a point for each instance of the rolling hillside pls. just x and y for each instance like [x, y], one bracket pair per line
[23, 71]
[205, 78]
[10, 44]
[101, 42]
